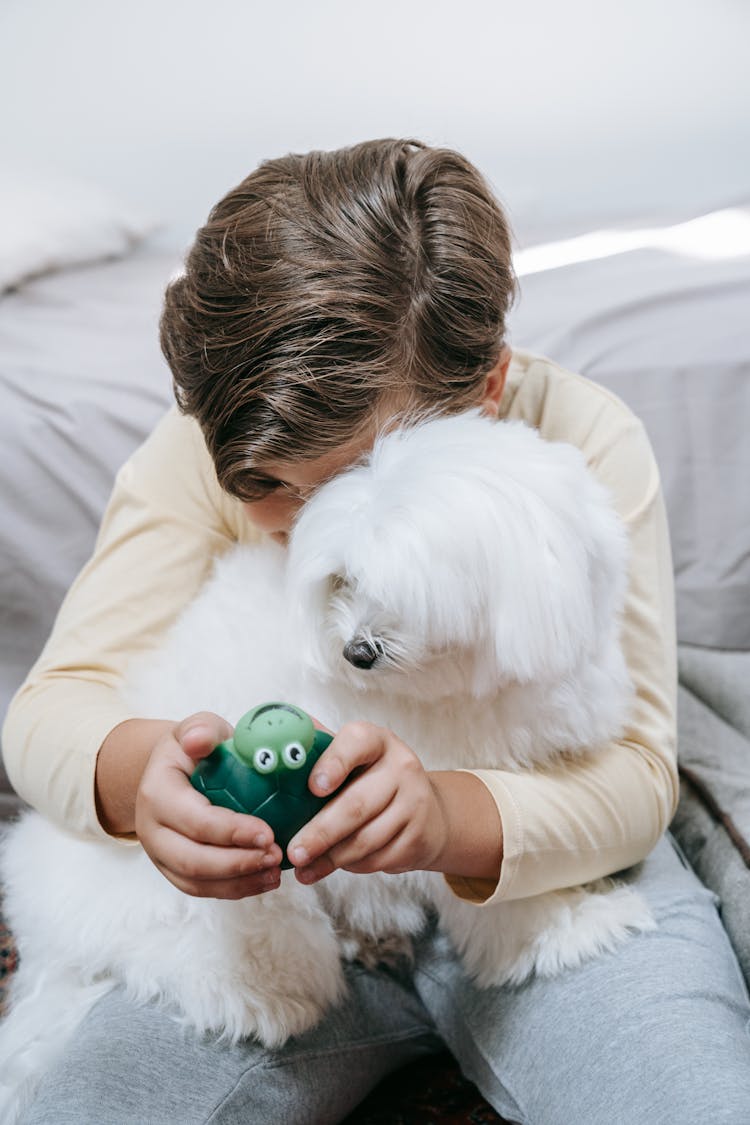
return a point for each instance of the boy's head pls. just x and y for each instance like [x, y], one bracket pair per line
[331, 291]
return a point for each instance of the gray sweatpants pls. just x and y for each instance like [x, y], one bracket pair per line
[656, 1033]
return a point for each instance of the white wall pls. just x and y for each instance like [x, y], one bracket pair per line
[577, 111]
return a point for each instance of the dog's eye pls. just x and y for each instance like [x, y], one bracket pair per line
[338, 582]
[293, 755]
[265, 760]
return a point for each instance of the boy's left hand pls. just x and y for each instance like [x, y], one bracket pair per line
[389, 817]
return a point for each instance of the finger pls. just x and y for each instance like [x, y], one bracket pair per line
[200, 733]
[356, 852]
[204, 863]
[205, 823]
[167, 798]
[355, 744]
[391, 858]
[371, 838]
[356, 805]
[245, 887]
[315, 871]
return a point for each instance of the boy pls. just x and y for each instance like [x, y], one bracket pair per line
[327, 295]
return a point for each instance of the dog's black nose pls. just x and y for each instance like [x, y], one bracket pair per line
[360, 653]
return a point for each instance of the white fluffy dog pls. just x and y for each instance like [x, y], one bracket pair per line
[487, 571]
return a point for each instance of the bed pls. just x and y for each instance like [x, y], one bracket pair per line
[658, 315]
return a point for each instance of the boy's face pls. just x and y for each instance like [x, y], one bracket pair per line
[275, 513]
[297, 481]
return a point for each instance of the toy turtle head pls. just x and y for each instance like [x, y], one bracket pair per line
[274, 736]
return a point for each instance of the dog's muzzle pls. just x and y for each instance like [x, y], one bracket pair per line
[361, 653]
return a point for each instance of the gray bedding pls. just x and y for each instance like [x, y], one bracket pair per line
[671, 336]
[712, 823]
[82, 380]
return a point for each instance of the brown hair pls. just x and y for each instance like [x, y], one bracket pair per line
[328, 285]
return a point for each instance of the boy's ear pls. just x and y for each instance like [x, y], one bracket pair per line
[495, 383]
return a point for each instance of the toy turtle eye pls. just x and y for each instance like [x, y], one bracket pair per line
[265, 760]
[293, 755]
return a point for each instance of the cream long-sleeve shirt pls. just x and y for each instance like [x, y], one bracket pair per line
[168, 519]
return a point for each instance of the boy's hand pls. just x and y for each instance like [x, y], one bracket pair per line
[205, 850]
[389, 817]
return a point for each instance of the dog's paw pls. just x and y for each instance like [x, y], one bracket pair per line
[264, 1013]
[547, 934]
[272, 979]
[372, 951]
[595, 923]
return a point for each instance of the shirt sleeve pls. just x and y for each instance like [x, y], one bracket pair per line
[591, 816]
[166, 521]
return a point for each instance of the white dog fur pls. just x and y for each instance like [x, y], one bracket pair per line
[490, 568]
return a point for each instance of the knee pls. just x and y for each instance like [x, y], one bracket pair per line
[695, 1080]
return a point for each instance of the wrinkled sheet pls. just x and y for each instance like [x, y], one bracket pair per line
[712, 822]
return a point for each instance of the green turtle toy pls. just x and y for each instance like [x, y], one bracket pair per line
[264, 769]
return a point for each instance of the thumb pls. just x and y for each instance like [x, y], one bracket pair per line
[200, 733]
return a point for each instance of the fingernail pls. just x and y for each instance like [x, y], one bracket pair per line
[300, 855]
[260, 840]
[322, 782]
[269, 861]
[197, 727]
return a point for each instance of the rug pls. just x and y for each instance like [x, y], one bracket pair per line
[431, 1091]
[8, 961]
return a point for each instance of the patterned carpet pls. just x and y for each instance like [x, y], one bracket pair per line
[8, 961]
[431, 1091]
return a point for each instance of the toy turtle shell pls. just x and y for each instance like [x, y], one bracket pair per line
[264, 769]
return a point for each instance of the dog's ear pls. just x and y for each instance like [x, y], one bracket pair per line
[308, 593]
[317, 553]
[561, 571]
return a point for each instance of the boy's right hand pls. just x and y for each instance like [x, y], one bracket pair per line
[205, 850]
